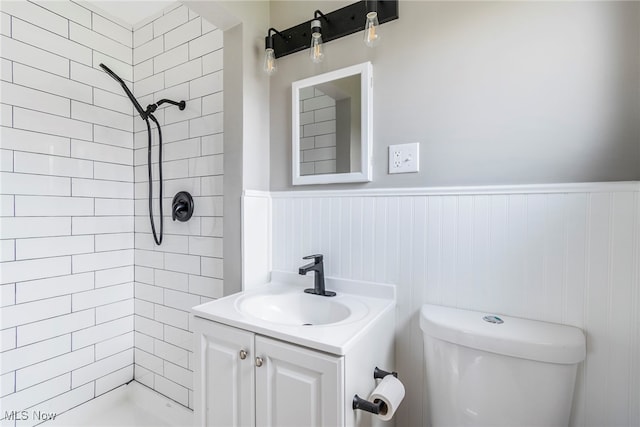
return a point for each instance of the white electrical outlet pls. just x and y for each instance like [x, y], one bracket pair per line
[404, 158]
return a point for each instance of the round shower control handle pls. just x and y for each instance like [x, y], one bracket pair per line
[243, 354]
[182, 206]
[259, 361]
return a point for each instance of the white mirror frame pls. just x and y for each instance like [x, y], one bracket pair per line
[365, 71]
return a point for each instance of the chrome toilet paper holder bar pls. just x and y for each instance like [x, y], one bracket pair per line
[377, 406]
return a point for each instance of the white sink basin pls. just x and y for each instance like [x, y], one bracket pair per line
[280, 309]
[300, 309]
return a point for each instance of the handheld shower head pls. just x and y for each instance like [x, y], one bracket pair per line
[111, 73]
[134, 101]
[146, 115]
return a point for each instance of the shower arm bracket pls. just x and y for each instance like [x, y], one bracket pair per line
[151, 108]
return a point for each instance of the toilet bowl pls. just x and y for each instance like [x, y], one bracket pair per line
[484, 370]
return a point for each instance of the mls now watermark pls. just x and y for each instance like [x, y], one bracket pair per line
[29, 415]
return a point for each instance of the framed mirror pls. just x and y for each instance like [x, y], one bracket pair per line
[332, 126]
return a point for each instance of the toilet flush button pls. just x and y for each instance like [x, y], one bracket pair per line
[493, 319]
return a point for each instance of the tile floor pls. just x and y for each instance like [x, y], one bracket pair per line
[132, 405]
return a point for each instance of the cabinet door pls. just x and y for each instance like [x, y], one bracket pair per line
[224, 376]
[297, 386]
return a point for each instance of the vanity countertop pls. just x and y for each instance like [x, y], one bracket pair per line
[360, 303]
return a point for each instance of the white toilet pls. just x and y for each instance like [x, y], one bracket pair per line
[484, 370]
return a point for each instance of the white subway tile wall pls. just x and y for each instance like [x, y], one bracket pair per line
[80, 270]
[67, 225]
[168, 56]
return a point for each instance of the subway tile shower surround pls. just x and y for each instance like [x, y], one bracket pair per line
[89, 302]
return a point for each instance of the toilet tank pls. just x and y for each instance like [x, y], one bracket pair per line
[484, 370]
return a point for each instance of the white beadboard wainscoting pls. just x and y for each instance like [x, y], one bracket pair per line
[561, 253]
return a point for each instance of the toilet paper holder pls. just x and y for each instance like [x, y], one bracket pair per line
[376, 406]
[379, 374]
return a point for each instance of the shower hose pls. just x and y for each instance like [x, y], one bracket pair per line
[146, 115]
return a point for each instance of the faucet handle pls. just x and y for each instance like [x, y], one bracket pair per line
[316, 258]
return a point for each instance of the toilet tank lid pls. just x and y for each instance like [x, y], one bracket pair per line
[516, 337]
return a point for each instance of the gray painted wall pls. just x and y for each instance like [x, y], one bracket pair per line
[495, 92]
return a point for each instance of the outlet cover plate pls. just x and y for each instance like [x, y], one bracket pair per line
[404, 158]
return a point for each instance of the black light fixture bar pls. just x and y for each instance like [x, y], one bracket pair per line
[339, 23]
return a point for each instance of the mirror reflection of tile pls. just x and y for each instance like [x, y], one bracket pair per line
[317, 132]
[330, 127]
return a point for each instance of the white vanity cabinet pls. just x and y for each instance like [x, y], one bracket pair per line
[280, 357]
[250, 380]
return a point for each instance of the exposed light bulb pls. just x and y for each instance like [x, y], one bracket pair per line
[269, 61]
[316, 52]
[371, 34]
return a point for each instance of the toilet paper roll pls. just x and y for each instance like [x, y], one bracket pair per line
[391, 392]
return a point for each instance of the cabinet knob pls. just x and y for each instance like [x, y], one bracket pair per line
[258, 361]
[243, 354]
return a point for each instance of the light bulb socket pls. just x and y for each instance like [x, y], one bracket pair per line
[268, 42]
[316, 26]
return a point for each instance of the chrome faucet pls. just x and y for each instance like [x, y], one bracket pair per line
[317, 266]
